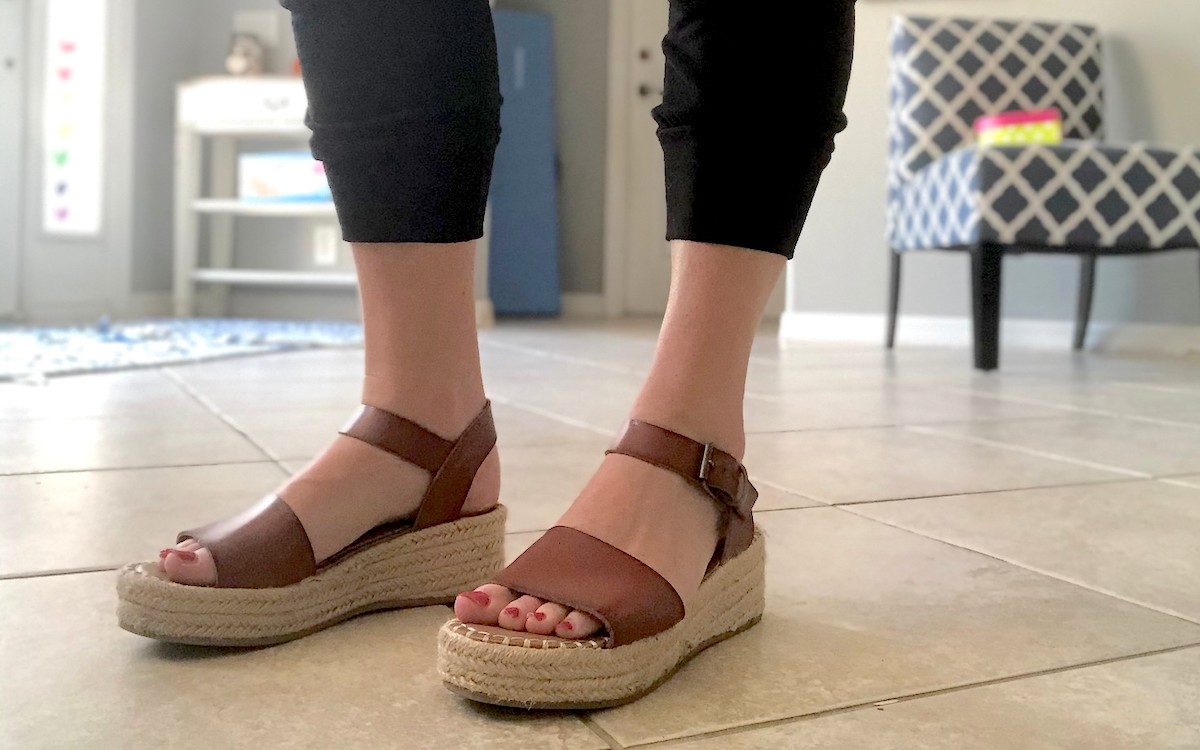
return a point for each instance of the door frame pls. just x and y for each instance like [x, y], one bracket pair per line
[10, 265]
[617, 172]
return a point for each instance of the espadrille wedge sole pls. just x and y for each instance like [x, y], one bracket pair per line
[418, 568]
[506, 668]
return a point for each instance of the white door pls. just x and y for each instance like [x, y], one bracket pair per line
[647, 265]
[12, 73]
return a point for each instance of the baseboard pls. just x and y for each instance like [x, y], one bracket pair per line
[924, 330]
[583, 305]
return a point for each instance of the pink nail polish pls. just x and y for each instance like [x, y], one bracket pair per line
[567, 625]
[478, 597]
[512, 611]
[162, 554]
[186, 555]
[539, 616]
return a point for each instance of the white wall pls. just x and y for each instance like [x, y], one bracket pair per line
[1152, 65]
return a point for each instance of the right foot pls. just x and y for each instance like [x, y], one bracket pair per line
[345, 492]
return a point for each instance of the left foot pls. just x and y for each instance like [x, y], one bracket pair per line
[650, 513]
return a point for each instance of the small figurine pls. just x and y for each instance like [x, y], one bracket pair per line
[245, 56]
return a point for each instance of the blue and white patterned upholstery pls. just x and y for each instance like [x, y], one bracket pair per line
[946, 192]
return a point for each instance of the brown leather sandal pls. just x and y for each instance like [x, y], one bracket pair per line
[269, 588]
[647, 635]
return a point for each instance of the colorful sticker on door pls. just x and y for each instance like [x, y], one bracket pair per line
[73, 117]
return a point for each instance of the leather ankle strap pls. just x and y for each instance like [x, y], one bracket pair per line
[453, 463]
[710, 469]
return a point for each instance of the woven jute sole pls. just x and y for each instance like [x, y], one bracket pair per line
[423, 567]
[507, 668]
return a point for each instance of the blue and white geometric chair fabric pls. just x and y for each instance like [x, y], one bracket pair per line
[1084, 196]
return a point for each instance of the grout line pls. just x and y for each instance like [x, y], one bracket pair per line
[1158, 388]
[190, 390]
[897, 425]
[933, 431]
[138, 468]
[566, 358]
[1102, 482]
[1086, 411]
[918, 696]
[1024, 566]
[788, 490]
[587, 720]
[58, 572]
[552, 416]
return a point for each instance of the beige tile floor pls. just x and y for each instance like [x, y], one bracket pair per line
[956, 560]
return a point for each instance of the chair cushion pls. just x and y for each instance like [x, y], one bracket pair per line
[1081, 194]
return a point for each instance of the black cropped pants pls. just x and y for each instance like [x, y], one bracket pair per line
[404, 105]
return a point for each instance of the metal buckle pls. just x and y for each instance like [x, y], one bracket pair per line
[707, 463]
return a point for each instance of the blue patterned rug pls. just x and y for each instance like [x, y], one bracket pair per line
[30, 353]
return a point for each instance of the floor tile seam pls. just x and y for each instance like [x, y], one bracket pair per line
[56, 572]
[566, 358]
[204, 401]
[1177, 480]
[586, 719]
[546, 413]
[997, 491]
[1093, 412]
[1190, 620]
[777, 486]
[908, 697]
[139, 467]
[1013, 448]
[896, 425]
[1157, 387]
[1066, 408]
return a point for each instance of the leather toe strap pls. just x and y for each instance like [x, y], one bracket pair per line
[578, 570]
[264, 546]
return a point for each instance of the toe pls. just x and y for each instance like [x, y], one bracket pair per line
[194, 568]
[577, 625]
[514, 615]
[545, 618]
[483, 605]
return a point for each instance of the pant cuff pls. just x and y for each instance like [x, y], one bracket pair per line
[406, 181]
[736, 191]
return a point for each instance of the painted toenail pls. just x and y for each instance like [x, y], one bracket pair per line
[512, 611]
[162, 554]
[478, 597]
[567, 626]
[539, 616]
[186, 555]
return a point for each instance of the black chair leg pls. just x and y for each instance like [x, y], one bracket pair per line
[986, 265]
[893, 300]
[1087, 282]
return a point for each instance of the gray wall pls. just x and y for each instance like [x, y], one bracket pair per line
[1152, 67]
[160, 62]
